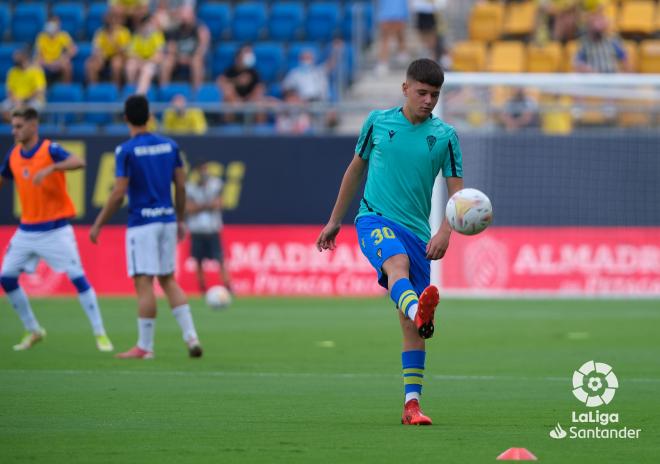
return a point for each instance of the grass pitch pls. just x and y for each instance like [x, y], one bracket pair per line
[316, 380]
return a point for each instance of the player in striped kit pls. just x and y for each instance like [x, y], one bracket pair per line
[37, 168]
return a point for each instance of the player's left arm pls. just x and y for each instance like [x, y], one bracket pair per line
[63, 161]
[110, 208]
[453, 173]
[180, 200]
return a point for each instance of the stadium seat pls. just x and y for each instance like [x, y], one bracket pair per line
[51, 129]
[285, 21]
[520, 18]
[116, 129]
[6, 58]
[94, 19]
[223, 57]
[216, 16]
[101, 93]
[167, 92]
[637, 18]
[649, 56]
[84, 51]
[322, 21]
[208, 93]
[83, 128]
[468, 56]
[296, 48]
[570, 50]
[635, 113]
[129, 89]
[507, 56]
[28, 20]
[248, 22]
[611, 11]
[486, 21]
[633, 54]
[65, 93]
[5, 129]
[270, 60]
[5, 15]
[275, 90]
[557, 120]
[71, 16]
[546, 58]
[355, 10]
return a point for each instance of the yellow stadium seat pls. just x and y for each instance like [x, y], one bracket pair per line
[570, 50]
[507, 56]
[649, 56]
[485, 22]
[627, 117]
[637, 17]
[611, 12]
[468, 56]
[544, 58]
[520, 18]
[557, 119]
[631, 50]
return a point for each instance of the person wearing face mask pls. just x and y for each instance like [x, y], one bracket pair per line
[599, 52]
[109, 54]
[25, 85]
[145, 55]
[204, 218]
[54, 49]
[179, 119]
[187, 45]
[240, 83]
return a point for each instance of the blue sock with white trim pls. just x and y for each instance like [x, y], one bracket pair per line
[405, 298]
[89, 303]
[413, 373]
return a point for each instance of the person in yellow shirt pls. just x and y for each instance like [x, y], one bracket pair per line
[54, 50]
[145, 54]
[109, 54]
[25, 85]
[179, 119]
[130, 12]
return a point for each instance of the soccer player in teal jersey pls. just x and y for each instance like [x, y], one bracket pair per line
[405, 149]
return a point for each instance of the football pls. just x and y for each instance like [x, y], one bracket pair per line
[218, 297]
[469, 211]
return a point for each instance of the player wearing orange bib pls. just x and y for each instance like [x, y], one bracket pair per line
[37, 168]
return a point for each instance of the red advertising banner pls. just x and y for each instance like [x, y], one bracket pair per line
[282, 260]
[555, 261]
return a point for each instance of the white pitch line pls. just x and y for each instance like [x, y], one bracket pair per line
[338, 375]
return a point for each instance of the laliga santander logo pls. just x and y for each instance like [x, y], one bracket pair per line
[594, 384]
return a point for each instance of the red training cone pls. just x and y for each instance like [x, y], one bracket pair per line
[516, 454]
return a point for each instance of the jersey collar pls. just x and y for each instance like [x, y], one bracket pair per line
[30, 153]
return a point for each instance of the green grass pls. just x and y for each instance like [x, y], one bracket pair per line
[269, 390]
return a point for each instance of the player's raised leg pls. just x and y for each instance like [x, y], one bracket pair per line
[181, 311]
[144, 288]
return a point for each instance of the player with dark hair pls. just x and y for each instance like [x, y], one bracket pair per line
[405, 149]
[37, 168]
[146, 166]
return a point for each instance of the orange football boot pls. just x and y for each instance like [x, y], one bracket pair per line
[428, 301]
[412, 415]
[135, 353]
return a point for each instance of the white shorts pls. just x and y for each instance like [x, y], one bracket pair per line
[151, 249]
[57, 247]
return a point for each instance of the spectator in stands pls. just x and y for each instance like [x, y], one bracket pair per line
[167, 13]
[429, 24]
[599, 52]
[109, 54]
[519, 111]
[186, 48]
[562, 18]
[25, 85]
[179, 119]
[294, 119]
[54, 50]
[392, 21]
[130, 12]
[241, 83]
[145, 55]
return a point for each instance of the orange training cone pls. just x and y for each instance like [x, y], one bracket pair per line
[516, 454]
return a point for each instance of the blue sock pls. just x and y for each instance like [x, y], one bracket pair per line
[413, 373]
[403, 295]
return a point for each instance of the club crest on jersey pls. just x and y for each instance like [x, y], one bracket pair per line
[379, 252]
[26, 173]
[392, 134]
[430, 140]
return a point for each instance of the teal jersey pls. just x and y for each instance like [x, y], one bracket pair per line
[404, 160]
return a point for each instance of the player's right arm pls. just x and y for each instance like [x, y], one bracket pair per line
[349, 185]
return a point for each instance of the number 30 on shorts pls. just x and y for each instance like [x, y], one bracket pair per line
[379, 234]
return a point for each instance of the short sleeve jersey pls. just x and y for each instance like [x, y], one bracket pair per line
[149, 161]
[404, 160]
[51, 47]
